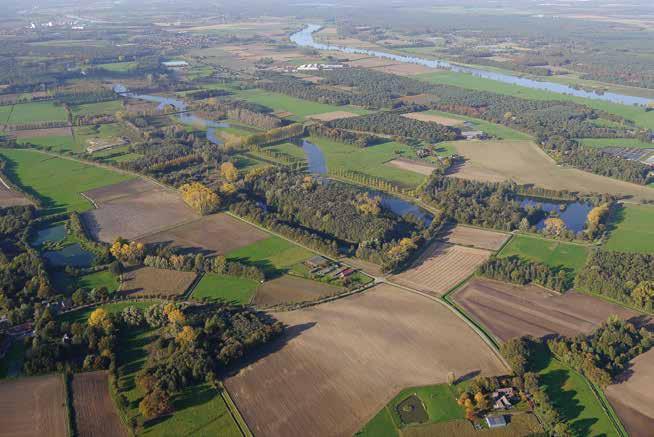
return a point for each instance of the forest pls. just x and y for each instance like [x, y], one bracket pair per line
[521, 271]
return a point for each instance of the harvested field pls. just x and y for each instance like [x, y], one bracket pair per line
[341, 362]
[632, 396]
[481, 238]
[95, 412]
[134, 208]
[405, 69]
[38, 133]
[441, 267]
[509, 310]
[526, 163]
[33, 407]
[445, 121]
[9, 197]
[216, 234]
[290, 289]
[414, 166]
[150, 281]
[334, 115]
[419, 99]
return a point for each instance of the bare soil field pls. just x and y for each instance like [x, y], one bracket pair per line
[441, 267]
[149, 281]
[53, 131]
[339, 363]
[419, 99]
[526, 163]
[371, 62]
[414, 166]
[95, 412]
[33, 407]
[509, 310]
[9, 197]
[291, 289]
[134, 208]
[481, 238]
[632, 396]
[421, 116]
[405, 69]
[334, 115]
[214, 234]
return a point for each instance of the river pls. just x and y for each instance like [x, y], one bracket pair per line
[304, 38]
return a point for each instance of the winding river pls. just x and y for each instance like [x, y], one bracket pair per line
[304, 38]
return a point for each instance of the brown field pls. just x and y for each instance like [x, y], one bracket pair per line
[151, 281]
[215, 234]
[419, 99]
[95, 412]
[291, 289]
[441, 267]
[526, 163]
[403, 69]
[341, 362]
[481, 238]
[371, 62]
[132, 209]
[410, 165]
[421, 116]
[334, 115]
[632, 396]
[520, 425]
[33, 407]
[9, 197]
[53, 131]
[511, 310]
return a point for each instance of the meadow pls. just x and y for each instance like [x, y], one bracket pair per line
[108, 107]
[5, 110]
[495, 130]
[615, 142]
[632, 230]
[56, 142]
[290, 149]
[274, 255]
[118, 67]
[36, 112]
[69, 284]
[57, 181]
[570, 256]
[229, 288]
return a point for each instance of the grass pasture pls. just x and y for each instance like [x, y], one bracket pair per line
[274, 255]
[108, 107]
[69, 284]
[229, 288]
[56, 142]
[570, 256]
[118, 67]
[5, 110]
[35, 112]
[601, 143]
[632, 230]
[57, 181]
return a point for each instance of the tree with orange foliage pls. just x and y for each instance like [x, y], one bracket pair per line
[228, 171]
[200, 198]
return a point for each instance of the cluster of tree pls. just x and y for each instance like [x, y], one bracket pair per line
[598, 162]
[625, 277]
[606, 352]
[199, 197]
[522, 271]
[596, 220]
[245, 112]
[275, 135]
[200, 263]
[75, 227]
[368, 180]
[37, 125]
[128, 252]
[358, 139]
[83, 96]
[301, 89]
[95, 119]
[393, 123]
[207, 94]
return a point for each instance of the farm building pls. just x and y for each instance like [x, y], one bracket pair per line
[495, 421]
[317, 262]
[473, 135]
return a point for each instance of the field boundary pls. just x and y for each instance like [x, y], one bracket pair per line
[234, 411]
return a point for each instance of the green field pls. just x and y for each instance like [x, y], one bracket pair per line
[289, 149]
[96, 280]
[56, 142]
[551, 252]
[4, 113]
[109, 107]
[615, 142]
[36, 112]
[57, 181]
[118, 67]
[632, 230]
[464, 80]
[369, 160]
[228, 288]
[496, 130]
[273, 255]
[104, 131]
[117, 154]
[81, 316]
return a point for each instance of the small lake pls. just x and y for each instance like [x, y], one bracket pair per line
[184, 116]
[574, 216]
[304, 38]
[73, 255]
[52, 233]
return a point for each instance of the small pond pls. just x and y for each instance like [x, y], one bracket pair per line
[574, 216]
[72, 255]
[51, 233]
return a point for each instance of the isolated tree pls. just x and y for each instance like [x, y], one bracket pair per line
[228, 171]
[98, 317]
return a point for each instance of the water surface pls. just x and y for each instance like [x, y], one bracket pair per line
[52, 233]
[574, 216]
[73, 255]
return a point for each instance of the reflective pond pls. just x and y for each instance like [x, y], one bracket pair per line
[72, 255]
[574, 215]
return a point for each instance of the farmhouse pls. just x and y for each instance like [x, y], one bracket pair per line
[495, 421]
[473, 135]
[317, 262]
[502, 398]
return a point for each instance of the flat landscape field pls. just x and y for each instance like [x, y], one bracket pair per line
[134, 208]
[423, 168]
[441, 267]
[339, 363]
[216, 234]
[554, 253]
[9, 197]
[290, 289]
[434, 118]
[57, 181]
[633, 230]
[509, 311]
[95, 412]
[334, 115]
[33, 407]
[475, 237]
[229, 288]
[36, 112]
[149, 281]
[526, 163]
[632, 397]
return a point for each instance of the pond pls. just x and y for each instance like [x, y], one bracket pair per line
[51, 233]
[184, 116]
[72, 255]
[574, 216]
[304, 38]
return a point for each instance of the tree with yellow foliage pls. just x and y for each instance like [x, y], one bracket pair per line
[228, 188]
[228, 171]
[98, 317]
[368, 205]
[127, 251]
[554, 226]
[174, 314]
[595, 218]
[643, 295]
[200, 198]
[401, 248]
[186, 336]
